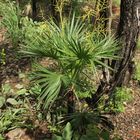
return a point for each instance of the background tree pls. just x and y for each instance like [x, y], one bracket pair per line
[127, 34]
[34, 9]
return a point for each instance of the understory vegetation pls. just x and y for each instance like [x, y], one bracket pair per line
[68, 60]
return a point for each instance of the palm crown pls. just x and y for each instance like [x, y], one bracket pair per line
[76, 52]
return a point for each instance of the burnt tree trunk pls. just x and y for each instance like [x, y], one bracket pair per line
[34, 9]
[70, 102]
[127, 34]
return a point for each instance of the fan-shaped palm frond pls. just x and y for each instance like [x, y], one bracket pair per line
[51, 83]
[81, 120]
[54, 37]
[70, 42]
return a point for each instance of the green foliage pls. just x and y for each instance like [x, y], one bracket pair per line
[119, 99]
[95, 133]
[11, 21]
[2, 101]
[2, 57]
[4, 92]
[2, 137]
[5, 89]
[35, 89]
[73, 50]
[50, 87]
[116, 2]
[81, 120]
[89, 125]
[7, 97]
[137, 72]
[11, 118]
[66, 134]
[74, 54]
[30, 29]
[14, 107]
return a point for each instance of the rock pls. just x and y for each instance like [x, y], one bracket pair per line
[18, 134]
[19, 86]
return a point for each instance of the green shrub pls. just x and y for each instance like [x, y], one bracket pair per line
[66, 134]
[10, 119]
[137, 72]
[116, 2]
[119, 99]
[75, 53]
[2, 137]
[2, 57]
[11, 16]
[14, 108]
[92, 132]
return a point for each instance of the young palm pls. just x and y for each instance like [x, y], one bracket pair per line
[76, 52]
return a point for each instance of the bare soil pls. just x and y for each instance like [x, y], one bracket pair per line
[127, 124]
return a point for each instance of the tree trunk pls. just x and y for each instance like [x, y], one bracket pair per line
[34, 9]
[127, 34]
[70, 102]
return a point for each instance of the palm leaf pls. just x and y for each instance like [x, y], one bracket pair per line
[51, 83]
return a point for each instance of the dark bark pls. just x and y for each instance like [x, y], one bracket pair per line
[127, 34]
[34, 9]
[128, 31]
[70, 102]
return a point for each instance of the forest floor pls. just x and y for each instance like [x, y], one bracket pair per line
[127, 124]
